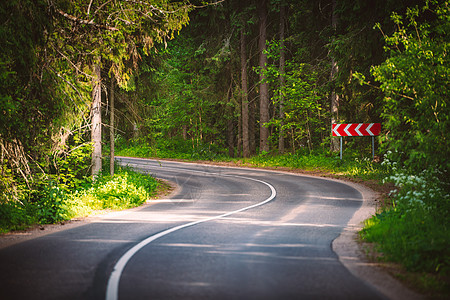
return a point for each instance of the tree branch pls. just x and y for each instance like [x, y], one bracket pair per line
[87, 22]
[209, 4]
[89, 7]
[73, 65]
[395, 93]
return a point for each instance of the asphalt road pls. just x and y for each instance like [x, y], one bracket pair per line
[227, 233]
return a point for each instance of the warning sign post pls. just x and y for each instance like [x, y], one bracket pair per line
[357, 129]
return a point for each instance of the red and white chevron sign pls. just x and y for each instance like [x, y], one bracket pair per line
[357, 129]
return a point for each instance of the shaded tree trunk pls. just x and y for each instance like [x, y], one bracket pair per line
[230, 121]
[282, 78]
[230, 137]
[239, 137]
[184, 133]
[96, 130]
[252, 130]
[111, 127]
[244, 87]
[334, 96]
[263, 86]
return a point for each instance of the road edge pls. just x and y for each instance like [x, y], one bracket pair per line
[353, 258]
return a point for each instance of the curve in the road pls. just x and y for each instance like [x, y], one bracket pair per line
[112, 289]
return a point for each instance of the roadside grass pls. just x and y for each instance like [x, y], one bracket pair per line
[418, 242]
[126, 189]
[414, 230]
[411, 228]
[173, 149]
[52, 202]
[353, 165]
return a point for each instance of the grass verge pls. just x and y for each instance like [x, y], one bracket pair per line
[53, 203]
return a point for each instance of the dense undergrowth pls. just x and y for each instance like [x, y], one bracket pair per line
[53, 202]
[412, 228]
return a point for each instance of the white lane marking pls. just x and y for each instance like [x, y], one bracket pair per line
[112, 289]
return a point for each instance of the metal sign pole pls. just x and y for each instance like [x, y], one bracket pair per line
[341, 147]
[373, 147]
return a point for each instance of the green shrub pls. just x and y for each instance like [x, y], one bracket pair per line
[15, 216]
[72, 169]
[353, 164]
[126, 189]
[52, 202]
[173, 148]
[415, 230]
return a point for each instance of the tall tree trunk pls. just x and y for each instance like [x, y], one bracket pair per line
[184, 128]
[263, 86]
[111, 127]
[282, 78]
[239, 137]
[96, 130]
[252, 130]
[334, 96]
[244, 86]
[230, 121]
[230, 137]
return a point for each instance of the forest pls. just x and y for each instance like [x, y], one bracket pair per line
[250, 81]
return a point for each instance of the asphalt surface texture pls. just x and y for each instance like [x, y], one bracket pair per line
[226, 233]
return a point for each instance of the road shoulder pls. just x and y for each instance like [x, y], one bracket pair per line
[352, 256]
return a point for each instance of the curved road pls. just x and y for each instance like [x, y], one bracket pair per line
[227, 233]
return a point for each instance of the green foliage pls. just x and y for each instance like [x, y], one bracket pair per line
[136, 25]
[184, 94]
[125, 190]
[174, 148]
[48, 50]
[301, 97]
[354, 164]
[72, 167]
[415, 230]
[52, 202]
[415, 81]
[15, 215]
[43, 204]
[37, 104]
[49, 201]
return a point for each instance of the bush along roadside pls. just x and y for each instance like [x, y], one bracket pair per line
[414, 230]
[52, 202]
